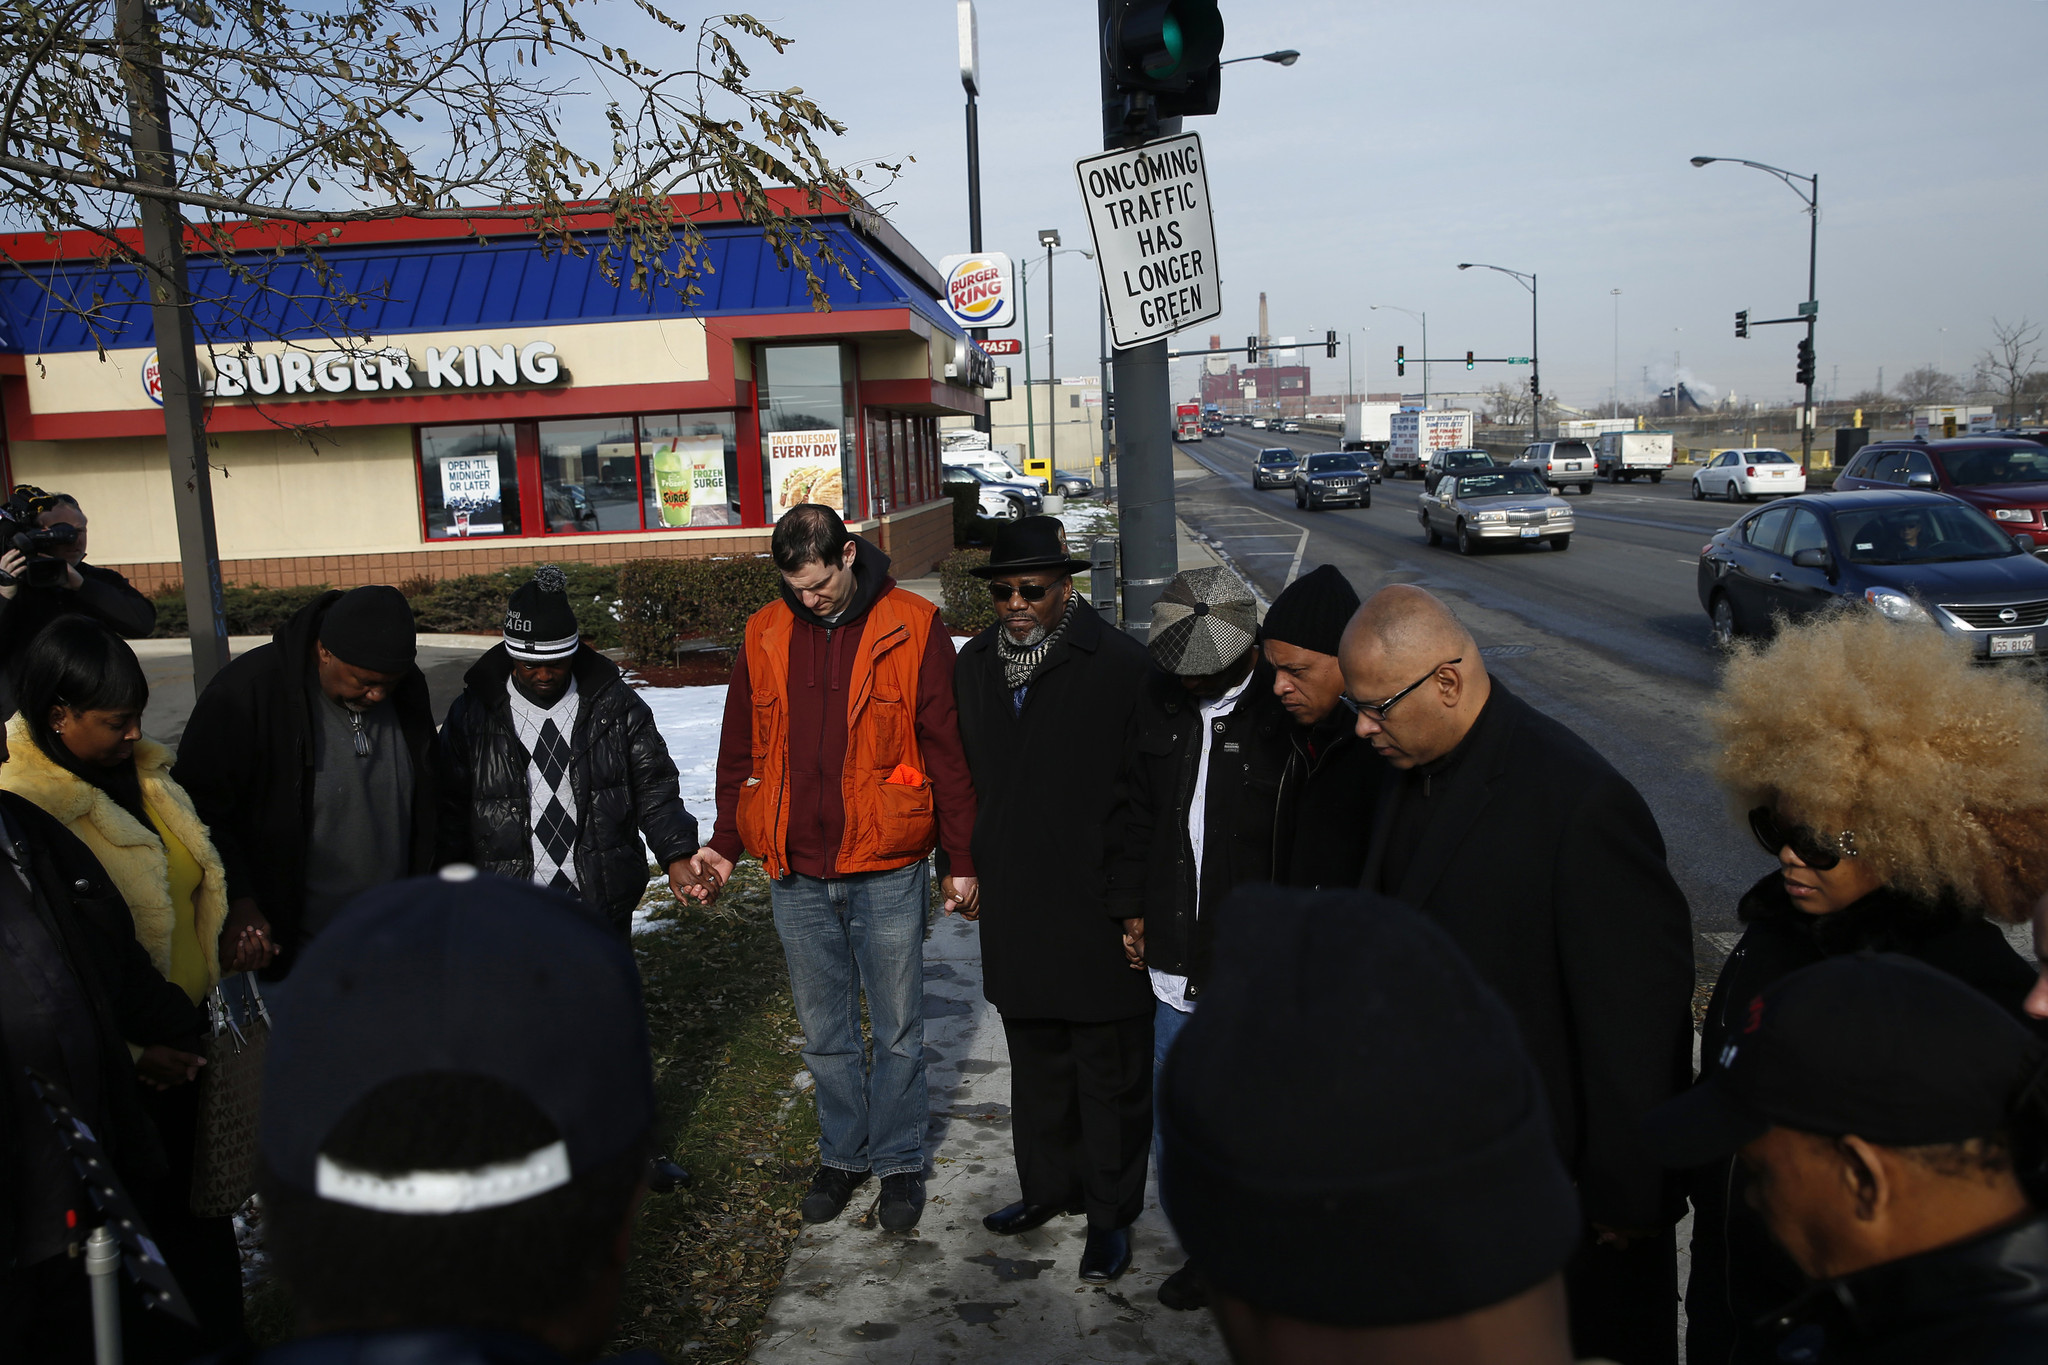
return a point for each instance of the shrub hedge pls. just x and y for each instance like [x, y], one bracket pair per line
[472, 603]
[666, 600]
[967, 608]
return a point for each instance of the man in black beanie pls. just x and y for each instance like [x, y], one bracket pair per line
[1327, 786]
[552, 767]
[1431, 1218]
[311, 760]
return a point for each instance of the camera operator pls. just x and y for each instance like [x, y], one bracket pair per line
[43, 575]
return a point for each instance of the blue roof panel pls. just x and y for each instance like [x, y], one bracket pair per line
[438, 286]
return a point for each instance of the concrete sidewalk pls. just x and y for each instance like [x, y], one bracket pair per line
[949, 1290]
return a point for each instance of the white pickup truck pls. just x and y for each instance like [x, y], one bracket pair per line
[1621, 455]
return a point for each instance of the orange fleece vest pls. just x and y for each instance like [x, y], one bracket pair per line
[886, 792]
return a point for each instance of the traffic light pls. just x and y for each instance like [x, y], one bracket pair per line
[1251, 350]
[1164, 57]
[1468, 360]
[1109, 405]
[1804, 375]
[1401, 360]
[1330, 345]
[1742, 323]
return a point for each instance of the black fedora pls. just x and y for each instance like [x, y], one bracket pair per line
[1029, 543]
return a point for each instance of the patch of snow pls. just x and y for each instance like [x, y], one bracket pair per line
[689, 719]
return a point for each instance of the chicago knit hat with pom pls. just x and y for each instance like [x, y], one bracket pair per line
[539, 625]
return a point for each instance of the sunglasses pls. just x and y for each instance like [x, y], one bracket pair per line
[1815, 850]
[1377, 711]
[1030, 592]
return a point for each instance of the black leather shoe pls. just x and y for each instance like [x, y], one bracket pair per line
[1022, 1217]
[1185, 1290]
[902, 1201]
[1107, 1255]
[664, 1176]
[830, 1189]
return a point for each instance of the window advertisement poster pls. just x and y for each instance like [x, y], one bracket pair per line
[804, 466]
[469, 490]
[689, 481]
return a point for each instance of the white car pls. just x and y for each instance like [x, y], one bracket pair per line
[993, 462]
[1746, 475]
[1258, 424]
[1290, 425]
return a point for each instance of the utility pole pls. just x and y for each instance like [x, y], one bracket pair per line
[163, 247]
[1050, 238]
[970, 79]
[1108, 423]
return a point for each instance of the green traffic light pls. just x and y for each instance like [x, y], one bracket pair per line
[1164, 62]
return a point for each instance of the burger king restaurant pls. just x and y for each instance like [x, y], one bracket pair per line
[452, 398]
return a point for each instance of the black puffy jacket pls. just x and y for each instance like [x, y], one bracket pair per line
[1150, 858]
[624, 780]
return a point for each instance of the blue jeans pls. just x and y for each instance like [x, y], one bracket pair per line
[1167, 1022]
[840, 936]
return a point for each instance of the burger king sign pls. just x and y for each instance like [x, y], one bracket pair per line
[978, 289]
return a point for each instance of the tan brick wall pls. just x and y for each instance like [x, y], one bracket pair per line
[915, 539]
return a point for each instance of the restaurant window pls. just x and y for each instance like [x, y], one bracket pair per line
[807, 437]
[469, 481]
[587, 476]
[689, 470]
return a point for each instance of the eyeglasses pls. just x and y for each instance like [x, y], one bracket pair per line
[1377, 711]
[1030, 592]
[1815, 850]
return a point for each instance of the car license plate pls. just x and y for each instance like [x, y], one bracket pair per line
[1531, 532]
[1571, 466]
[2012, 644]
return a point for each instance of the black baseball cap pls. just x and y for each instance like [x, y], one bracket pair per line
[470, 974]
[1877, 1045]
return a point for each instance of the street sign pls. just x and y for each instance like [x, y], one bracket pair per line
[1809, 309]
[1002, 346]
[1155, 237]
[979, 292]
[1518, 360]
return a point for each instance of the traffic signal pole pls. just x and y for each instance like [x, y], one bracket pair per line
[1148, 532]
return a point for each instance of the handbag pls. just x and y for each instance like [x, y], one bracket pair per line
[230, 1096]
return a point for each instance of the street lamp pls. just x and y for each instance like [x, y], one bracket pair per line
[1424, 318]
[1050, 238]
[1810, 196]
[1286, 56]
[1528, 282]
[1616, 411]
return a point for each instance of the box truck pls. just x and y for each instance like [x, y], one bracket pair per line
[1187, 422]
[1366, 425]
[1621, 455]
[1413, 435]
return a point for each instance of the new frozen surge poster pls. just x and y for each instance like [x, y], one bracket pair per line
[689, 481]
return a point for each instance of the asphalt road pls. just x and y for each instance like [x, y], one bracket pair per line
[1607, 636]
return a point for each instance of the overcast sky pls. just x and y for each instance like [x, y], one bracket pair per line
[1545, 137]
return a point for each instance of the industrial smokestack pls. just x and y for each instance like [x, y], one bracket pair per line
[1265, 333]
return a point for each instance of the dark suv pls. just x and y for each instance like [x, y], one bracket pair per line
[2005, 478]
[1274, 468]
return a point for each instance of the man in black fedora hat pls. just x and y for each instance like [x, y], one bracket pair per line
[1045, 697]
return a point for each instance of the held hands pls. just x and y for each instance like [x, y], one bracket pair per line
[13, 563]
[963, 895]
[1134, 942]
[712, 872]
[162, 1068]
[245, 943]
[684, 880]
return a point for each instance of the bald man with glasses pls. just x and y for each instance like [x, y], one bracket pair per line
[1045, 698]
[1547, 867]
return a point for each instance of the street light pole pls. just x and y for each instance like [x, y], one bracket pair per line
[1616, 410]
[1810, 196]
[1050, 237]
[970, 80]
[1528, 282]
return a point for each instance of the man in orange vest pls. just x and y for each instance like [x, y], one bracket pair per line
[840, 768]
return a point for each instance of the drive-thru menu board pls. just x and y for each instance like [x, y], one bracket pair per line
[1155, 237]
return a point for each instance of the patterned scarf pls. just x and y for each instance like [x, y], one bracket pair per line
[1020, 662]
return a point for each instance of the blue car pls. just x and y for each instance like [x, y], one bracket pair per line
[1906, 554]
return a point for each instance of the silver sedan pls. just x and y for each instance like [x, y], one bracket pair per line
[1475, 508]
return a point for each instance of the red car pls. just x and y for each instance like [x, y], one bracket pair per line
[2004, 477]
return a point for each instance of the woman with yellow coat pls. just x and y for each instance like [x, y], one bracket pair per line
[76, 750]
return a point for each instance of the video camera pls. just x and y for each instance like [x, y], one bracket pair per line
[18, 530]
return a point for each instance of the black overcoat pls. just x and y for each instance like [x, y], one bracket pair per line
[1046, 782]
[246, 760]
[1324, 811]
[619, 769]
[1547, 867]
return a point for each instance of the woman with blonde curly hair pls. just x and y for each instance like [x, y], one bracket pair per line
[1903, 790]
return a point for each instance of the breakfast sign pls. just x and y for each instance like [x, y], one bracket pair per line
[1155, 237]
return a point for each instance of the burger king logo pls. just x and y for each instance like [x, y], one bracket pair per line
[153, 378]
[978, 289]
